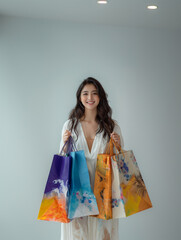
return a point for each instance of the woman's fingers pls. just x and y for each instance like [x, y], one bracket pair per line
[115, 137]
[66, 135]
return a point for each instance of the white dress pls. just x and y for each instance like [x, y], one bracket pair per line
[90, 228]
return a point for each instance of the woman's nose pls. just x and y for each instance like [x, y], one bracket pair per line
[90, 97]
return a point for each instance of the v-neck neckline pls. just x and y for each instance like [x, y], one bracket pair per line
[90, 152]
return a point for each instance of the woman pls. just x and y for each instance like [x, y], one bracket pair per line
[91, 126]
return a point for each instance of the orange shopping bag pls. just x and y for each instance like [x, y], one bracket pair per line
[119, 187]
[102, 185]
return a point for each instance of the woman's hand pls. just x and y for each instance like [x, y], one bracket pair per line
[66, 136]
[116, 137]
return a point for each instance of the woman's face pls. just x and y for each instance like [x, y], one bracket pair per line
[89, 97]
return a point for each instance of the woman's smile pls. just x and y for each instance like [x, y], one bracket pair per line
[90, 102]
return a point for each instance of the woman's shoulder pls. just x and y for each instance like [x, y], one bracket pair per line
[115, 123]
[117, 128]
[67, 124]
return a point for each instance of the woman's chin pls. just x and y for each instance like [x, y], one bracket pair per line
[90, 107]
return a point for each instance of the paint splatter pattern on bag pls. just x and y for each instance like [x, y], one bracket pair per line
[116, 201]
[133, 188]
[54, 203]
[82, 203]
[103, 190]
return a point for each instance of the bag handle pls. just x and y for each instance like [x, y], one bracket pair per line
[71, 146]
[109, 149]
[118, 147]
[113, 144]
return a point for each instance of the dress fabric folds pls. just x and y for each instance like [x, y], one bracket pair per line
[90, 228]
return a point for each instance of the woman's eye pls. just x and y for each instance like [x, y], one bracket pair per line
[92, 93]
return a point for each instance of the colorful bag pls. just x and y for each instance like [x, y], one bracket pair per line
[129, 193]
[54, 206]
[82, 201]
[117, 196]
[102, 186]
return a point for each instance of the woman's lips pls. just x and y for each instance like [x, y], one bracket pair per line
[90, 103]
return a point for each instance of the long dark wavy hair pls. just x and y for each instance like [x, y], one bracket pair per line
[104, 111]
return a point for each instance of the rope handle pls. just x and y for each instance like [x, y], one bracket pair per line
[111, 145]
[71, 146]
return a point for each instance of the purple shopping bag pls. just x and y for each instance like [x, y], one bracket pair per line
[54, 205]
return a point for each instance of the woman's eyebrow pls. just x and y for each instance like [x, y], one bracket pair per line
[91, 91]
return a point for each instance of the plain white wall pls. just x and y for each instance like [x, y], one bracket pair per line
[41, 65]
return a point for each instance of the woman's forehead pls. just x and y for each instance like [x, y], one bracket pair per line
[89, 88]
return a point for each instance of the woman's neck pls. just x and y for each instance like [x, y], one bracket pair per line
[90, 115]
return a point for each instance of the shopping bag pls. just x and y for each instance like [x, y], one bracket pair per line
[82, 201]
[129, 193]
[117, 196]
[54, 205]
[102, 186]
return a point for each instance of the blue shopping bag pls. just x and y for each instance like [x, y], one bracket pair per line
[82, 201]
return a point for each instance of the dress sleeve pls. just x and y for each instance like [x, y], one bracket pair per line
[65, 127]
[117, 129]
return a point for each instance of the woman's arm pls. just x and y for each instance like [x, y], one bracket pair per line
[117, 135]
[64, 136]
